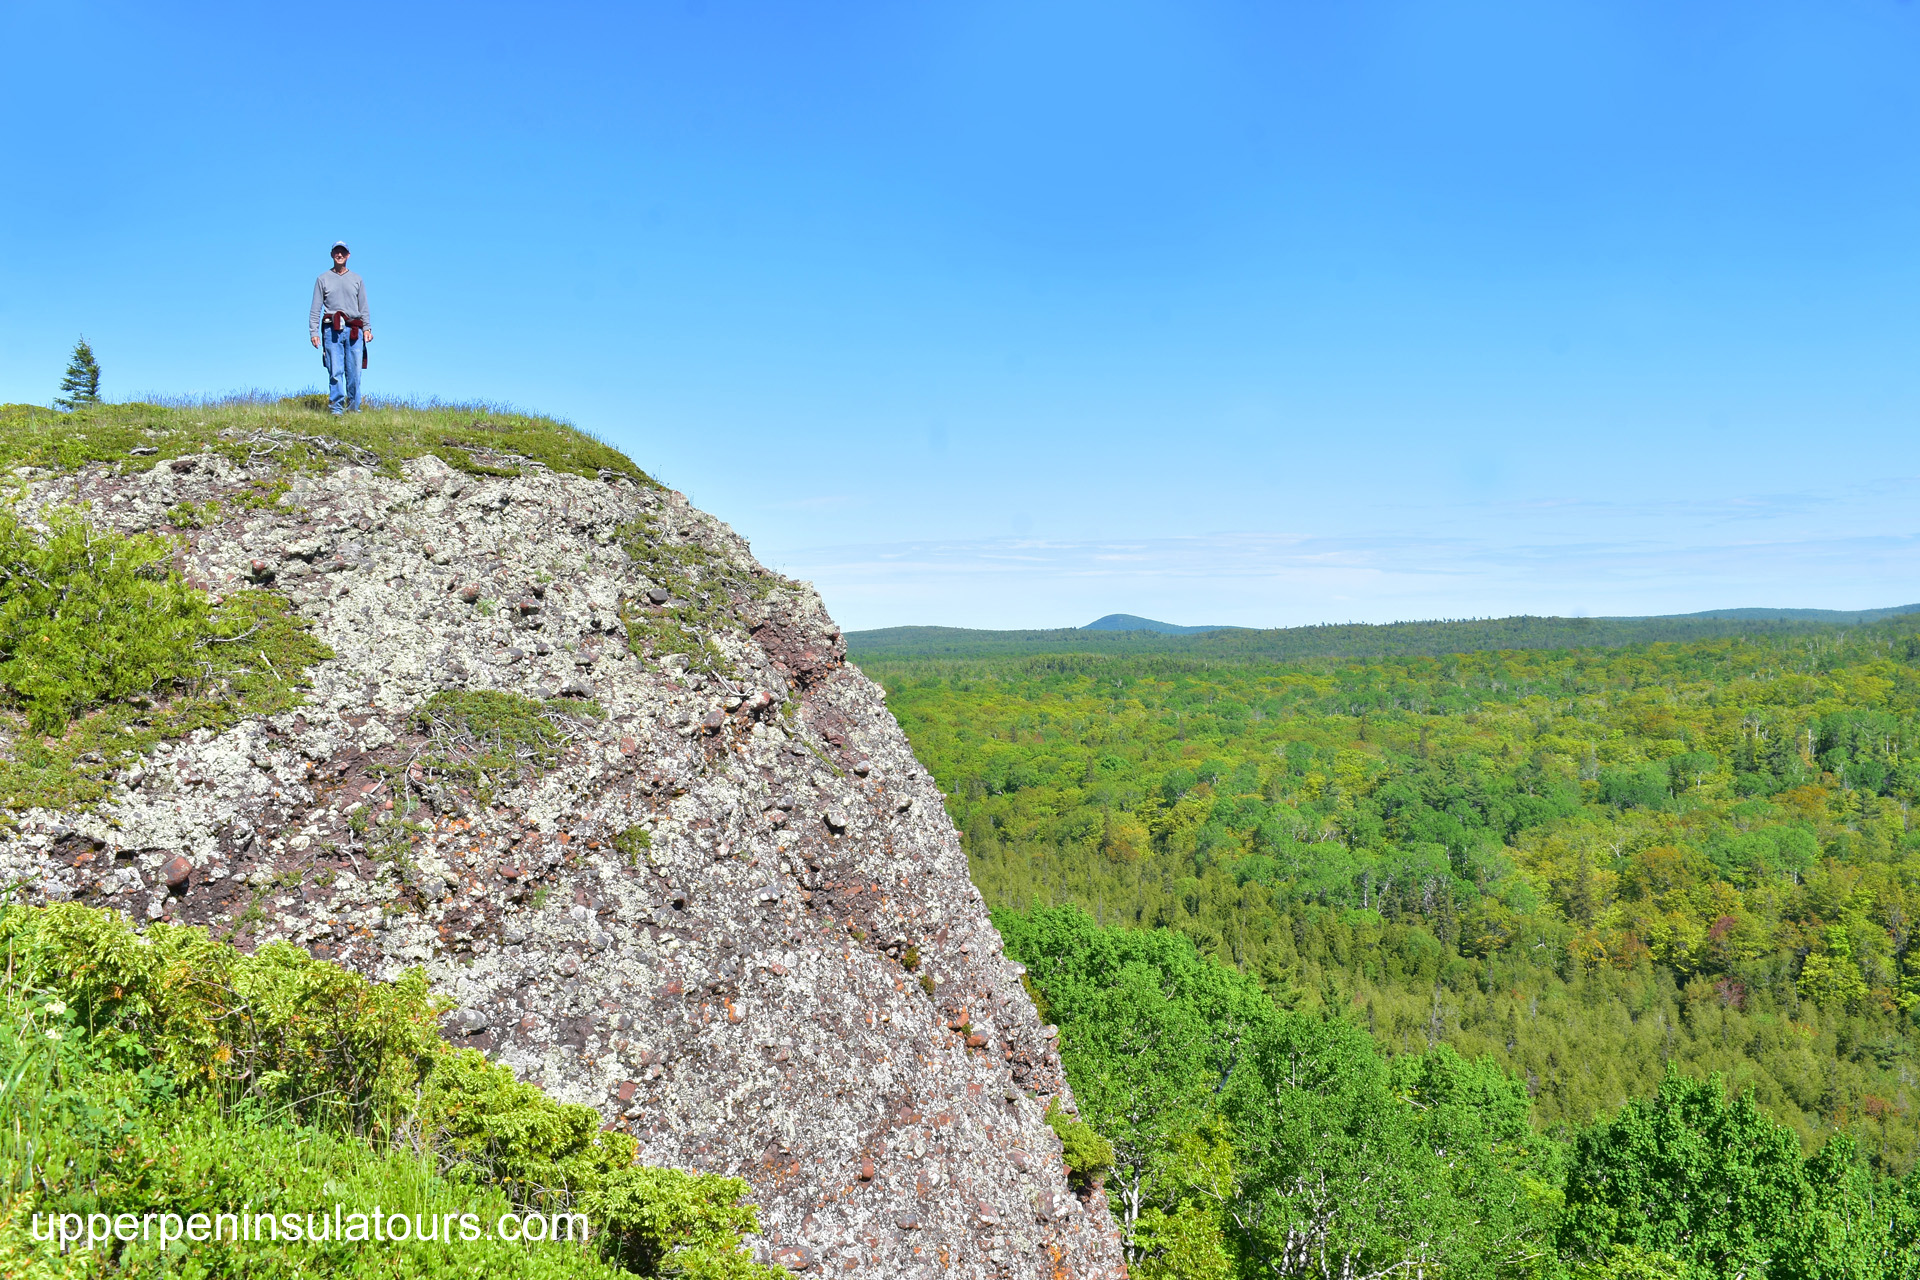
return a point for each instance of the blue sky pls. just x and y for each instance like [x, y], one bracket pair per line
[1016, 314]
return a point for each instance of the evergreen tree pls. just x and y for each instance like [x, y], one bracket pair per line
[82, 384]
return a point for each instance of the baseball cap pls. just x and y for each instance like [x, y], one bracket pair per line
[339, 244]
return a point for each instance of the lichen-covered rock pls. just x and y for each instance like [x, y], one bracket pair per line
[720, 900]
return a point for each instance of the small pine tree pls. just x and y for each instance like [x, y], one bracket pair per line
[82, 383]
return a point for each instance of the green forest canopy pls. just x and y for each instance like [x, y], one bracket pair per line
[1589, 864]
[1246, 1139]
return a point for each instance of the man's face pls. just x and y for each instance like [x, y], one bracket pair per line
[339, 259]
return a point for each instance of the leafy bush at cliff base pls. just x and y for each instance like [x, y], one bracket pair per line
[276, 1026]
[192, 1155]
[169, 1072]
[672, 1222]
[1712, 1183]
[88, 615]
[1252, 1139]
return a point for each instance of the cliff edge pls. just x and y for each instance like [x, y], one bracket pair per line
[614, 785]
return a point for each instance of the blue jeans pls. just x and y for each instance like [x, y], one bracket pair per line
[340, 353]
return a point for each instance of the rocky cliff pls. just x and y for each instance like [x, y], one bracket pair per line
[689, 873]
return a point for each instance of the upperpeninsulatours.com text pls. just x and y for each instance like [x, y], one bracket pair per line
[90, 1231]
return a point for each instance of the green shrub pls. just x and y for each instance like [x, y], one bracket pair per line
[89, 615]
[474, 1110]
[1088, 1155]
[277, 1025]
[679, 1223]
[110, 1145]
[171, 1073]
[107, 651]
[261, 677]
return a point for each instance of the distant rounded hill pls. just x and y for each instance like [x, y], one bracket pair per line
[1132, 622]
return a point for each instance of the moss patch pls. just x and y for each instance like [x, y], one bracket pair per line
[1042, 1007]
[634, 843]
[464, 460]
[697, 606]
[479, 738]
[701, 589]
[298, 433]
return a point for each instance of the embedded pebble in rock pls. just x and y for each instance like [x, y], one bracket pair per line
[732, 988]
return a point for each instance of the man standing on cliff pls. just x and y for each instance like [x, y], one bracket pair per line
[341, 327]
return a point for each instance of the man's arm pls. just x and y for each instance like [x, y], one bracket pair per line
[366, 314]
[313, 312]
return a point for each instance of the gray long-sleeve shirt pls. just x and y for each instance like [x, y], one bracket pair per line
[338, 291]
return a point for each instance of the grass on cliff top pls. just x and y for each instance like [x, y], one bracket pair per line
[297, 432]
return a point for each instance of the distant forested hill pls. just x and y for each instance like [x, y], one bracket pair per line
[1357, 640]
[1134, 622]
[1590, 862]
